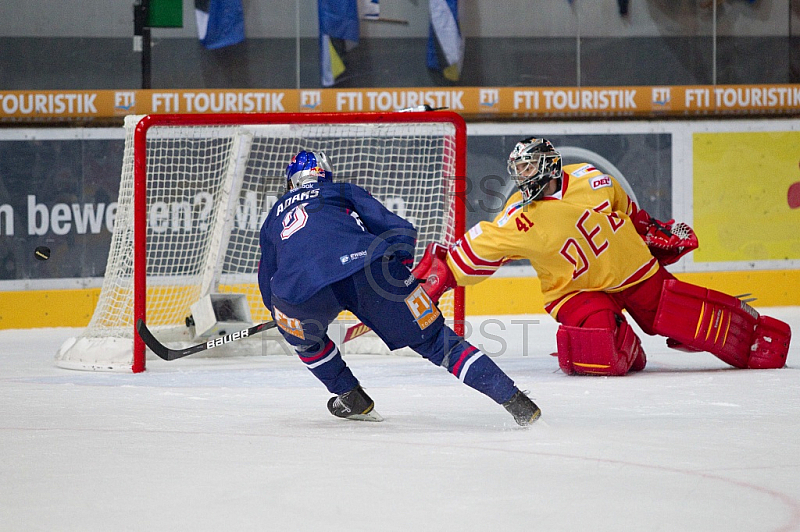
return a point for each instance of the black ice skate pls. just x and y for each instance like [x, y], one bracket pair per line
[524, 410]
[355, 404]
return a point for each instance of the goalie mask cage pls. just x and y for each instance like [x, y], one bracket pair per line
[196, 188]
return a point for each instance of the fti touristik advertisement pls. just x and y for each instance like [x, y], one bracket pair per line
[471, 102]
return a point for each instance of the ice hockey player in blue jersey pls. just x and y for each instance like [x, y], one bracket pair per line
[328, 247]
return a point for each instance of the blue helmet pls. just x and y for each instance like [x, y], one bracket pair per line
[308, 166]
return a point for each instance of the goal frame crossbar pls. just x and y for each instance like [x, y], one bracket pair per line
[245, 119]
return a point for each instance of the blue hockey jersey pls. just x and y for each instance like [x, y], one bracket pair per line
[321, 233]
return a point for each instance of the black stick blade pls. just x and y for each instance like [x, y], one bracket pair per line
[150, 341]
[171, 354]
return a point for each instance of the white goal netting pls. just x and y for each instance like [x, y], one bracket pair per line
[208, 189]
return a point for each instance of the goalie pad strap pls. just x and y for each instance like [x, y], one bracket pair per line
[707, 320]
[592, 351]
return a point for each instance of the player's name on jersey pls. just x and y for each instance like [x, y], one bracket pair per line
[643, 101]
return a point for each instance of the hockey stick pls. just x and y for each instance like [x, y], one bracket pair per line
[171, 354]
[166, 353]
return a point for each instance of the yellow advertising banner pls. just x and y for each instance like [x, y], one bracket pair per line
[471, 102]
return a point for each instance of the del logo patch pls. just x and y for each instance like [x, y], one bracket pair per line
[600, 182]
[290, 325]
[421, 306]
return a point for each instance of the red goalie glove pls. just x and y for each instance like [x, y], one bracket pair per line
[434, 272]
[668, 241]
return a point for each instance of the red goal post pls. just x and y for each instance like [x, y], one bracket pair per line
[196, 187]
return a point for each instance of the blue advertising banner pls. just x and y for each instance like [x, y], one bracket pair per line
[60, 194]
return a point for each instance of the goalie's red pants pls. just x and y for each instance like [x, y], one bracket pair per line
[603, 310]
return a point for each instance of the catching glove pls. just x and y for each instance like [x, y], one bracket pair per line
[668, 241]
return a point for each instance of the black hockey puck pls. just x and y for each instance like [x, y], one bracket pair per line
[42, 253]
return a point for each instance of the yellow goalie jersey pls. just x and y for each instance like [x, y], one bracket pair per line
[579, 239]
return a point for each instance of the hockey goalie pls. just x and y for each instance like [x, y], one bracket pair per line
[596, 254]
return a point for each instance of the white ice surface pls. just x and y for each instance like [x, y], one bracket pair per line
[247, 444]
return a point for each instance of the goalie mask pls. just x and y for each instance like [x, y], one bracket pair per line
[533, 163]
[308, 167]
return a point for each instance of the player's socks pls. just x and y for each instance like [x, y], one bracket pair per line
[355, 404]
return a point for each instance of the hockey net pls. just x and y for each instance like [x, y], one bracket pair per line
[195, 190]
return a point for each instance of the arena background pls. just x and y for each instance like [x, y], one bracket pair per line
[732, 180]
[642, 88]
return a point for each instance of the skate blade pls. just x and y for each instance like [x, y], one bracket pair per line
[372, 415]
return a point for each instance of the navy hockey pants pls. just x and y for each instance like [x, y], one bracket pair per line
[386, 298]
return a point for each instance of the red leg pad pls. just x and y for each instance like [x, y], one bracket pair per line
[771, 344]
[641, 359]
[706, 320]
[591, 351]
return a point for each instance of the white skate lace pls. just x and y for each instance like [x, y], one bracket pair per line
[338, 403]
